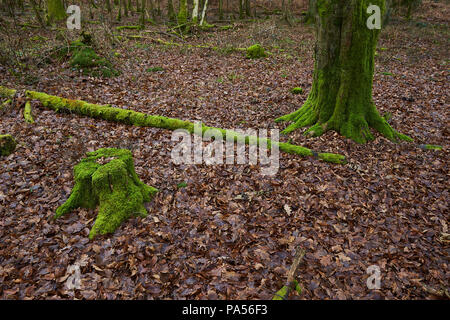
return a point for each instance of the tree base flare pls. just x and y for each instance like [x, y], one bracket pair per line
[107, 178]
[7, 145]
[355, 127]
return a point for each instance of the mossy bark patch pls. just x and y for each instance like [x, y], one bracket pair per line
[106, 178]
[7, 144]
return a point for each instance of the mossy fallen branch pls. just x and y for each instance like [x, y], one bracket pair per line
[430, 147]
[109, 113]
[129, 28]
[27, 114]
[106, 178]
[7, 145]
[253, 52]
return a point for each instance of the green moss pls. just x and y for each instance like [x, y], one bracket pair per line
[155, 69]
[284, 292]
[7, 144]
[27, 115]
[227, 27]
[430, 147]
[7, 93]
[106, 178]
[84, 57]
[128, 28]
[297, 90]
[182, 13]
[256, 51]
[333, 158]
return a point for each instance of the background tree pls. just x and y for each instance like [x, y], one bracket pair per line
[341, 93]
[55, 11]
[182, 12]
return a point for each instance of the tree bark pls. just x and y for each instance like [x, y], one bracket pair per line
[341, 93]
[195, 12]
[55, 11]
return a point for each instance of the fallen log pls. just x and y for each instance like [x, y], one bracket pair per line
[106, 112]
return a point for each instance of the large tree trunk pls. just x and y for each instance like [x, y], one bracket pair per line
[341, 93]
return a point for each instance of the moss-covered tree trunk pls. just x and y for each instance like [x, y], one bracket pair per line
[341, 93]
[106, 178]
[55, 11]
[182, 12]
[312, 12]
[7, 144]
[170, 10]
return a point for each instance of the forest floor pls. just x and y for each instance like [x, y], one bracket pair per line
[231, 233]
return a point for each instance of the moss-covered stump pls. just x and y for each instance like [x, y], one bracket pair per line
[7, 144]
[106, 178]
[256, 51]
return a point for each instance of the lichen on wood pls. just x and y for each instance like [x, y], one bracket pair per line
[7, 144]
[106, 178]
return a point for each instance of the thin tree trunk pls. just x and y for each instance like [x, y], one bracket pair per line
[170, 10]
[204, 13]
[195, 12]
[37, 13]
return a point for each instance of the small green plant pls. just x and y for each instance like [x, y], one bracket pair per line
[296, 90]
[182, 185]
[155, 69]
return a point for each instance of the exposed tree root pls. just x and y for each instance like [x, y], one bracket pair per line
[107, 178]
[354, 126]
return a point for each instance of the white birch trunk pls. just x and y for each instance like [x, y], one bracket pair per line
[195, 12]
[204, 12]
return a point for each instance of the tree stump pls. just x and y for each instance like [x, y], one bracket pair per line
[106, 178]
[7, 144]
